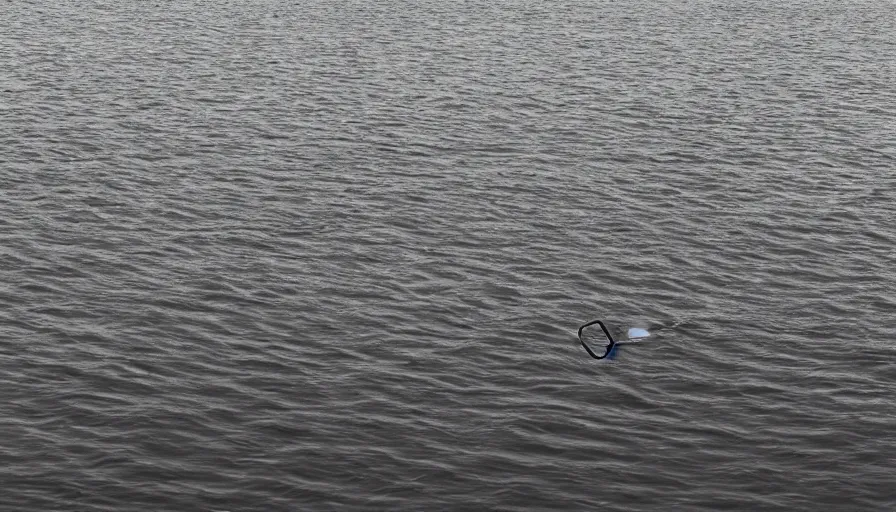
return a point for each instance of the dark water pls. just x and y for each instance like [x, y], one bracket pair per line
[331, 255]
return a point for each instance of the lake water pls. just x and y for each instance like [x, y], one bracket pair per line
[332, 255]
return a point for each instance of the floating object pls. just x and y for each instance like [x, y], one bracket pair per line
[610, 346]
[637, 332]
[634, 334]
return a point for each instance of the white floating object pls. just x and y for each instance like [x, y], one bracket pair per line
[636, 332]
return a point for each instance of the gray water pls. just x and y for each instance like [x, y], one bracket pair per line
[332, 255]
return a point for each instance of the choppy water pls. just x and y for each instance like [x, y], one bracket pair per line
[331, 255]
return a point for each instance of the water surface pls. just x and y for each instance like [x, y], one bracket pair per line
[331, 255]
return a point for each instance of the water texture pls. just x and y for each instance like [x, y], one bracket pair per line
[331, 255]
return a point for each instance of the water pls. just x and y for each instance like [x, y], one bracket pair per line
[331, 255]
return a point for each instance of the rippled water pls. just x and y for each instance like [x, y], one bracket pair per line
[331, 255]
